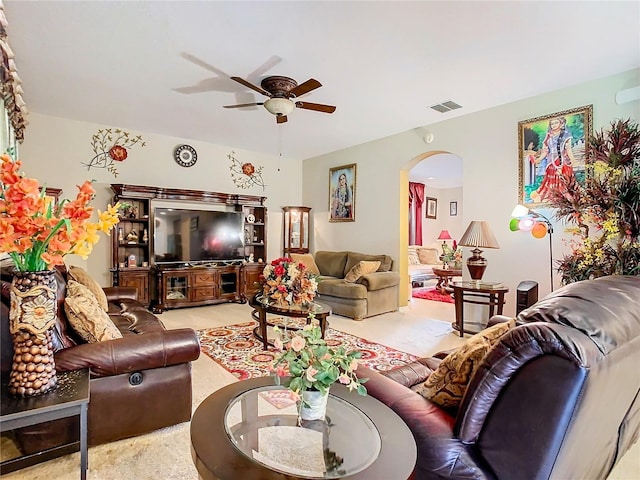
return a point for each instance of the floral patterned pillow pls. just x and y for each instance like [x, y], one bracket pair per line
[87, 317]
[448, 383]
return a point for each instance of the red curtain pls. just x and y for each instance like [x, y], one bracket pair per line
[416, 199]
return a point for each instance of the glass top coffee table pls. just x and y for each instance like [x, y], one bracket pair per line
[249, 429]
[262, 308]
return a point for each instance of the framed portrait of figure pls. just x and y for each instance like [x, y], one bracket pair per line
[431, 208]
[551, 153]
[342, 193]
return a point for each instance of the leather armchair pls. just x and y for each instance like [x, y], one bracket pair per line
[558, 397]
[139, 383]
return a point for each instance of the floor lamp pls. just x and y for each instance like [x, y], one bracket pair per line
[527, 220]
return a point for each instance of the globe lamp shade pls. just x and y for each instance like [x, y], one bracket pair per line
[526, 224]
[539, 230]
[513, 224]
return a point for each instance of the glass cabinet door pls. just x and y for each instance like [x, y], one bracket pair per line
[296, 229]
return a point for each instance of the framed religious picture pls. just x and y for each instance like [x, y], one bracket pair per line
[342, 193]
[431, 208]
[552, 153]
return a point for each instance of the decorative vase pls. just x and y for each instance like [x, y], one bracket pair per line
[313, 405]
[32, 318]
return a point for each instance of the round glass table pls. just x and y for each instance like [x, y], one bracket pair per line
[250, 429]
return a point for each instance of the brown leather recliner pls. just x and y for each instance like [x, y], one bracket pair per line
[139, 383]
[558, 397]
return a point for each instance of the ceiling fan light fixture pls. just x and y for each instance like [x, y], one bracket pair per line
[279, 106]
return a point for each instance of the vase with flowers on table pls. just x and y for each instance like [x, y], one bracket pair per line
[312, 367]
[37, 235]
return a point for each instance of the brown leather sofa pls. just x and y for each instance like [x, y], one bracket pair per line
[139, 383]
[557, 398]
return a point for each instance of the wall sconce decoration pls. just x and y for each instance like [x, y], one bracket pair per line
[526, 220]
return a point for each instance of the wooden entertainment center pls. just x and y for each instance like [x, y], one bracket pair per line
[184, 284]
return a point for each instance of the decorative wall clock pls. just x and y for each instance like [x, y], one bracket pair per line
[185, 155]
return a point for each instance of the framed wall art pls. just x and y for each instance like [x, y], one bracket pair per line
[453, 209]
[552, 151]
[342, 193]
[431, 207]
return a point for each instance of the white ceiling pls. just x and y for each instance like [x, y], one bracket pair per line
[383, 64]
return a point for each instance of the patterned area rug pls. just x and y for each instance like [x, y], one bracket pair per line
[429, 293]
[235, 348]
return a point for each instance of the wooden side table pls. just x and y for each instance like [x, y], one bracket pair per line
[69, 398]
[444, 274]
[478, 293]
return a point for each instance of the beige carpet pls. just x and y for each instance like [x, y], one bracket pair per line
[165, 454]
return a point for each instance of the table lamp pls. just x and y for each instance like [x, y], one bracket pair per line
[444, 236]
[478, 235]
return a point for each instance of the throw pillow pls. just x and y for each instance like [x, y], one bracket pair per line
[429, 256]
[361, 268]
[413, 256]
[308, 261]
[81, 276]
[447, 384]
[87, 317]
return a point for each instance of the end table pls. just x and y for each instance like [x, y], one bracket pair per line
[69, 398]
[479, 293]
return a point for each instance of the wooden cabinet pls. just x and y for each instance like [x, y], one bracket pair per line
[251, 273]
[255, 232]
[296, 230]
[182, 284]
[130, 250]
[137, 279]
[188, 287]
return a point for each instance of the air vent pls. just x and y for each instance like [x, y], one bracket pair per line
[446, 106]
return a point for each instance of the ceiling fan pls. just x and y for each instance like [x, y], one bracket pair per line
[281, 92]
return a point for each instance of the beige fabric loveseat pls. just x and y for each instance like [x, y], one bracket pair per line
[371, 294]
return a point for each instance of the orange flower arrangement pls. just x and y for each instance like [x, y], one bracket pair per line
[35, 234]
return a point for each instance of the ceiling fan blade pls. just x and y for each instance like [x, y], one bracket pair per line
[281, 118]
[318, 107]
[251, 86]
[243, 105]
[305, 87]
[266, 66]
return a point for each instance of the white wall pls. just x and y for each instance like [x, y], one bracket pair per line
[487, 141]
[54, 150]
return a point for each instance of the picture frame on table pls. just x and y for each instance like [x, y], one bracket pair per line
[453, 209]
[342, 193]
[431, 207]
[551, 150]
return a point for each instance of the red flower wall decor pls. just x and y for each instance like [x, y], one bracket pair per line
[245, 175]
[111, 146]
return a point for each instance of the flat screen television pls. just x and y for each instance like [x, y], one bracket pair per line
[197, 236]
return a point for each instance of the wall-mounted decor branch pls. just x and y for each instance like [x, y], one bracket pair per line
[245, 175]
[111, 146]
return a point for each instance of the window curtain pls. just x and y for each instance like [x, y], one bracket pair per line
[416, 199]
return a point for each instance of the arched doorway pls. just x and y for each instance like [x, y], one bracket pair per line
[441, 174]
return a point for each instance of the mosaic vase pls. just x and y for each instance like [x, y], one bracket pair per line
[32, 318]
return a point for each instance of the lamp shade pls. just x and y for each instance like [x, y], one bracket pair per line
[478, 234]
[444, 235]
[279, 106]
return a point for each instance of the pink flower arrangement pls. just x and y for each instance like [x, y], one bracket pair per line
[313, 365]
